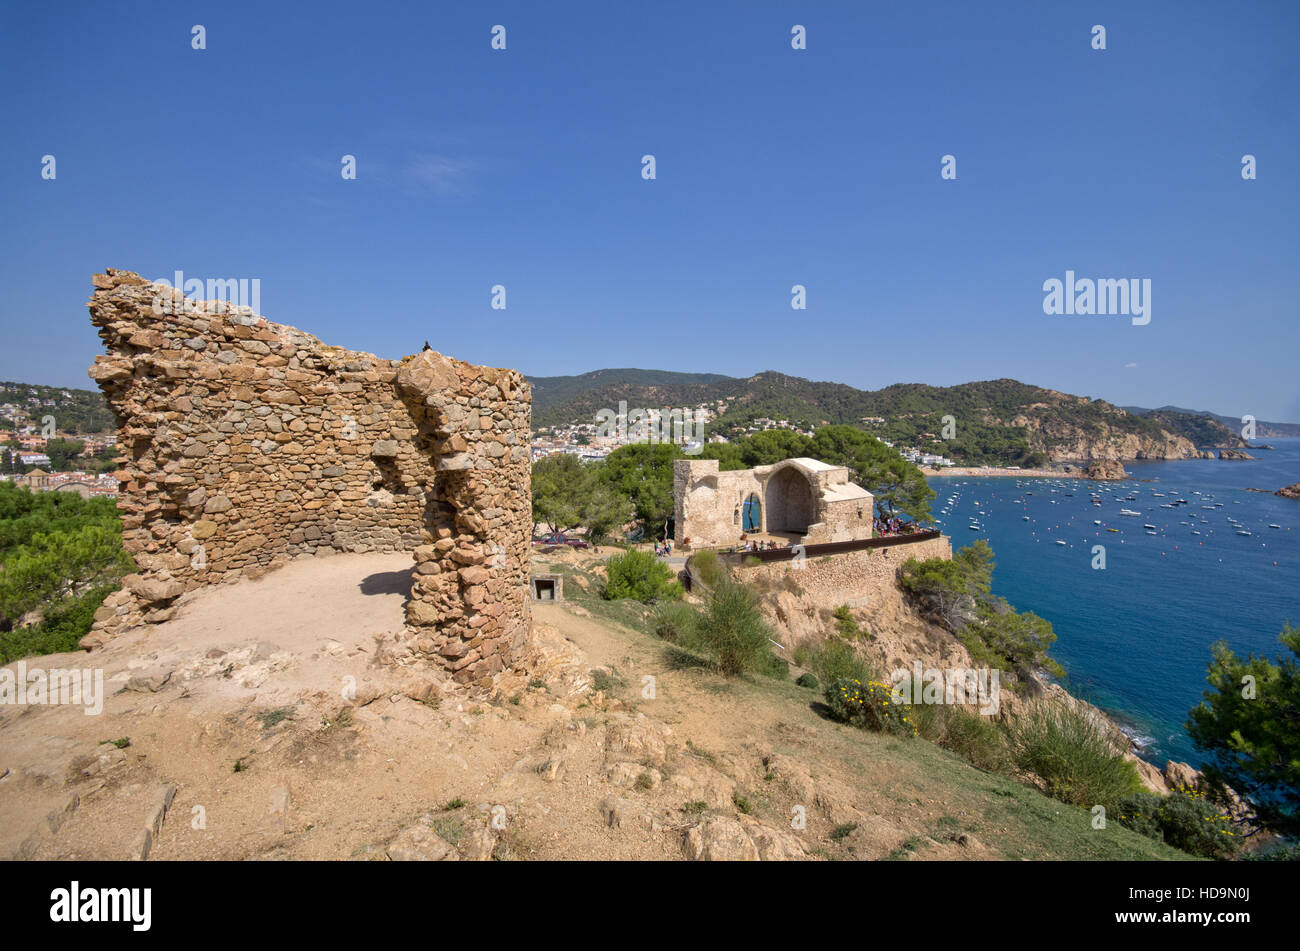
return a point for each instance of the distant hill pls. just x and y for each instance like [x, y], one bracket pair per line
[997, 421]
[1231, 423]
[74, 411]
[552, 391]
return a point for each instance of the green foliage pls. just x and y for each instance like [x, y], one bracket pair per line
[61, 627]
[1011, 640]
[845, 624]
[1200, 429]
[1279, 850]
[24, 513]
[980, 740]
[951, 590]
[606, 681]
[674, 621]
[834, 659]
[807, 680]
[568, 493]
[866, 704]
[643, 472]
[958, 594]
[60, 554]
[1253, 741]
[732, 633]
[708, 567]
[641, 576]
[1074, 758]
[1185, 819]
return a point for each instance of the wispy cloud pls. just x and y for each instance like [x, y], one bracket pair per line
[1130, 366]
[437, 174]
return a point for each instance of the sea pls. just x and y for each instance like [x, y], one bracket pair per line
[1134, 636]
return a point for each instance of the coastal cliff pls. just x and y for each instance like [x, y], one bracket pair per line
[893, 633]
[1064, 440]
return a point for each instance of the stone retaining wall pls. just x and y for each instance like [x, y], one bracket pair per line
[851, 576]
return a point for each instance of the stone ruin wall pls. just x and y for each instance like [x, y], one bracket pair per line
[707, 499]
[244, 443]
[851, 577]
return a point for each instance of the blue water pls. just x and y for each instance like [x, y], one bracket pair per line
[1135, 637]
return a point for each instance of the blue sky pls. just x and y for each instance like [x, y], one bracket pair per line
[775, 167]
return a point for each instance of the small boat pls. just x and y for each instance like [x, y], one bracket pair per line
[1096, 521]
[1242, 531]
[1112, 529]
[1059, 542]
[1273, 525]
[1195, 532]
[1129, 512]
[1149, 527]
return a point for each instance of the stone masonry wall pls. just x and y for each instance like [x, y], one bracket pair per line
[850, 576]
[246, 443]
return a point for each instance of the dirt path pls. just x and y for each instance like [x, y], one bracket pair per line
[263, 722]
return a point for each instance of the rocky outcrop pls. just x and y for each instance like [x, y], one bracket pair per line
[1234, 454]
[247, 443]
[1050, 427]
[1291, 491]
[1104, 470]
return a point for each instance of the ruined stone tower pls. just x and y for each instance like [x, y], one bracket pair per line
[246, 443]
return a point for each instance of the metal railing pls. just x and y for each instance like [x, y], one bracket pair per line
[830, 548]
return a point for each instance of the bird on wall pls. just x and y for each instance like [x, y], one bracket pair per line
[426, 346]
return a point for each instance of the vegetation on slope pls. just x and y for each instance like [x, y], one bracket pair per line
[60, 556]
[957, 593]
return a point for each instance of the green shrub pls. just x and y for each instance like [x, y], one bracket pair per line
[845, 624]
[1277, 851]
[835, 658]
[1185, 819]
[978, 739]
[641, 576]
[733, 634]
[708, 567]
[675, 621]
[807, 680]
[59, 630]
[1072, 755]
[867, 705]
[606, 681]
[957, 592]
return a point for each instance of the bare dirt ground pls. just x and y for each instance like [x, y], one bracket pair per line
[264, 721]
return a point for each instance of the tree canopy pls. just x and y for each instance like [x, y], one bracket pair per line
[568, 493]
[1249, 726]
